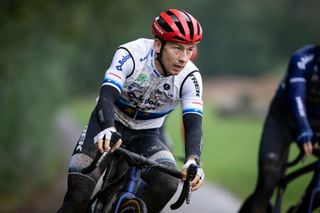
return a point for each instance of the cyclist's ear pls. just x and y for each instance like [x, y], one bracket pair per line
[157, 45]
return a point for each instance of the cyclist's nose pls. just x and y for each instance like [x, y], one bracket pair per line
[184, 56]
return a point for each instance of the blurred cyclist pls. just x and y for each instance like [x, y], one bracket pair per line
[146, 80]
[294, 115]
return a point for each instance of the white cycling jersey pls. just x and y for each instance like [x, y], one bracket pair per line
[147, 96]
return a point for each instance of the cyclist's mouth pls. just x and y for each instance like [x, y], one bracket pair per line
[177, 68]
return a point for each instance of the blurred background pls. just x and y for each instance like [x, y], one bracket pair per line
[53, 55]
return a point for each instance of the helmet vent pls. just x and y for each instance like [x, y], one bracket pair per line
[188, 19]
[191, 30]
[178, 38]
[164, 25]
[177, 22]
[198, 29]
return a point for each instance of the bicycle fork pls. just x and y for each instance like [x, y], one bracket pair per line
[130, 188]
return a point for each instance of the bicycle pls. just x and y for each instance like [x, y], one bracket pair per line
[309, 201]
[126, 187]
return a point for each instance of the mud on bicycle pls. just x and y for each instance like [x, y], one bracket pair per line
[126, 187]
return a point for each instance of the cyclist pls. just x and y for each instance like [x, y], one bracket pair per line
[145, 81]
[293, 115]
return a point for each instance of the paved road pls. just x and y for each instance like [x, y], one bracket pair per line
[210, 198]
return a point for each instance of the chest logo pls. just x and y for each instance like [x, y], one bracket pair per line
[142, 78]
[166, 86]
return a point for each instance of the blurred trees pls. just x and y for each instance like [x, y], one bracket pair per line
[252, 37]
[50, 50]
[31, 78]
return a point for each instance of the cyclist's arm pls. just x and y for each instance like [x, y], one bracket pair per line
[108, 95]
[192, 108]
[297, 95]
[193, 135]
[193, 146]
[121, 67]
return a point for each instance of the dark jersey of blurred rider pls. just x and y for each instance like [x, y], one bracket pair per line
[294, 115]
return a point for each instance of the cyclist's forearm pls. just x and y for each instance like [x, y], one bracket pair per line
[296, 96]
[108, 96]
[193, 135]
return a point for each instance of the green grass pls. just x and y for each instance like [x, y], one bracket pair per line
[230, 151]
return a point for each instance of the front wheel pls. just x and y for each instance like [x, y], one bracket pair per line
[135, 205]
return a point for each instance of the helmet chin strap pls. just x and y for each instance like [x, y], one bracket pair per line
[159, 58]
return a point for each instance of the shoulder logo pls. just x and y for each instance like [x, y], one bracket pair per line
[142, 59]
[304, 60]
[122, 61]
[196, 85]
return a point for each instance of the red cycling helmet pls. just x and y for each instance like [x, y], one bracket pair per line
[177, 26]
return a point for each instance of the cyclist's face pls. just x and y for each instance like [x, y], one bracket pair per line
[175, 56]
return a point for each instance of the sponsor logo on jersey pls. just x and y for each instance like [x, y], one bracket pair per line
[81, 140]
[166, 86]
[304, 60]
[142, 78]
[196, 85]
[122, 61]
[144, 103]
[142, 59]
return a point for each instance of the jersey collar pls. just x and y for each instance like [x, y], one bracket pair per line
[153, 65]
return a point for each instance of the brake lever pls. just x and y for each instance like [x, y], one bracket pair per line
[192, 171]
[186, 190]
[100, 156]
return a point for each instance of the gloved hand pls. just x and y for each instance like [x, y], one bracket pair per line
[198, 179]
[102, 140]
[304, 142]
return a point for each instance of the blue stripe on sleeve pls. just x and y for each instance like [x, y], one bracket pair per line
[115, 83]
[192, 110]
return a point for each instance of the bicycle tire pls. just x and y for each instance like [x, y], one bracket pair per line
[134, 205]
